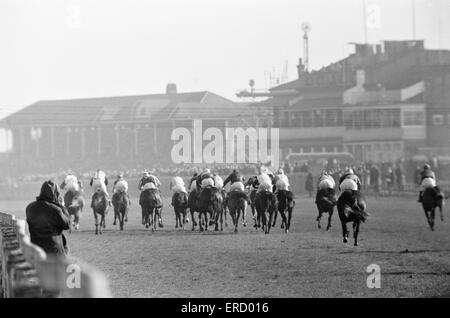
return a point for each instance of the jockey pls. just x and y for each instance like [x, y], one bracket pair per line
[177, 185]
[325, 182]
[281, 180]
[236, 181]
[205, 179]
[427, 180]
[349, 181]
[193, 182]
[120, 185]
[99, 183]
[149, 181]
[71, 182]
[265, 178]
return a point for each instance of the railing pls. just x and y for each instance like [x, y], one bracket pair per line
[27, 271]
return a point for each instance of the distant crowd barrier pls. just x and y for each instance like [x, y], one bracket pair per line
[27, 271]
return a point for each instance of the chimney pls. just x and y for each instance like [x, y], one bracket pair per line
[171, 88]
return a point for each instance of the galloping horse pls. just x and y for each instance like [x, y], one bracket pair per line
[351, 207]
[180, 205]
[121, 203]
[430, 201]
[193, 205]
[151, 204]
[266, 205]
[326, 201]
[100, 207]
[74, 203]
[237, 203]
[286, 203]
[210, 202]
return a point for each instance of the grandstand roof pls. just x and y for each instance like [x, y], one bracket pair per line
[124, 109]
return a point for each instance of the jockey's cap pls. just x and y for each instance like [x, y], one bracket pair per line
[349, 170]
[206, 170]
[280, 171]
[426, 167]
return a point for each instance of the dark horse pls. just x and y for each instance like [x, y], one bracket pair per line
[210, 203]
[74, 203]
[151, 204]
[351, 207]
[286, 204]
[326, 201]
[431, 200]
[180, 205]
[266, 205]
[252, 198]
[193, 205]
[121, 204]
[237, 203]
[100, 207]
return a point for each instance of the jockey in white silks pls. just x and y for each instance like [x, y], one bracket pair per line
[281, 180]
[99, 183]
[177, 185]
[264, 180]
[325, 181]
[349, 181]
[206, 179]
[120, 185]
[218, 182]
[71, 183]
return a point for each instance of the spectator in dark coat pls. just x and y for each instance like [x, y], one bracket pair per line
[47, 219]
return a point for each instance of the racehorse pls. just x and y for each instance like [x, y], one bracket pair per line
[286, 203]
[237, 203]
[430, 201]
[252, 198]
[100, 207]
[210, 202]
[180, 205]
[326, 201]
[193, 205]
[151, 204]
[225, 206]
[351, 207]
[121, 203]
[266, 205]
[74, 203]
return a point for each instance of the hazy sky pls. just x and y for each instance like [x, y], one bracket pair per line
[69, 49]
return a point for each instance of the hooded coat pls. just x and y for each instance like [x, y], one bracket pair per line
[47, 218]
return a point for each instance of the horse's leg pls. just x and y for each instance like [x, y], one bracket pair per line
[274, 216]
[177, 217]
[159, 214]
[289, 218]
[330, 214]
[319, 217]
[115, 215]
[225, 209]
[355, 232]
[284, 222]
[432, 216]
[344, 231]
[442, 214]
[244, 215]
[192, 218]
[96, 223]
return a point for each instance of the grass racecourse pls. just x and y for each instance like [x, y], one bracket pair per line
[307, 262]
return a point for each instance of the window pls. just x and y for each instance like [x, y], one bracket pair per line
[438, 120]
[448, 119]
[413, 118]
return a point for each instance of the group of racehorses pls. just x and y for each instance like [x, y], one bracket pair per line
[211, 205]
